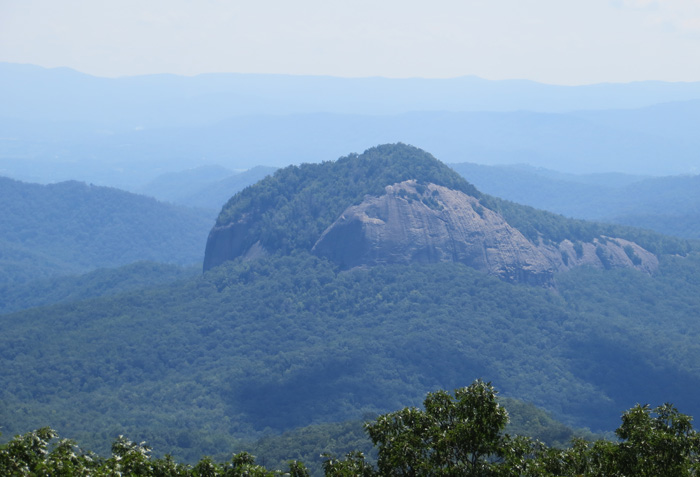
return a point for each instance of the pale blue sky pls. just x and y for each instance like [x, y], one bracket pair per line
[551, 41]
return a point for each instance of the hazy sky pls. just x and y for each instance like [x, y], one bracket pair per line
[552, 41]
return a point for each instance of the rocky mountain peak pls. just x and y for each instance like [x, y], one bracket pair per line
[398, 204]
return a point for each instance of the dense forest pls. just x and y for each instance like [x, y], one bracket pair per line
[101, 282]
[72, 227]
[252, 351]
[289, 341]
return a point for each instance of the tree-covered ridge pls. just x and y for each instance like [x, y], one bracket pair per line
[458, 434]
[668, 205]
[291, 209]
[73, 227]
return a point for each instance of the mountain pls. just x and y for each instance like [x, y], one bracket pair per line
[173, 186]
[291, 209]
[398, 204]
[32, 92]
[72, 227]
[59, 124]
[205, 187]
[133, 157]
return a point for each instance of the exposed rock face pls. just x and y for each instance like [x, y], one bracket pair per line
[228, 242]
[604, 252]
[430, 223]
[413, 223]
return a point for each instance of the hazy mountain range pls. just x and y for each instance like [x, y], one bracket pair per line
[58, 124]
[205, 187]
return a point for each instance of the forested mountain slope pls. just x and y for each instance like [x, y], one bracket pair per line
[101, 282]
[72, 227]
[282, 342]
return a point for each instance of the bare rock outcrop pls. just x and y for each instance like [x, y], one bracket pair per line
[428, 223]
[228, 242]
[602, 252]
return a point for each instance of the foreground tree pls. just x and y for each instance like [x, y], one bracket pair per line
[653, 442]
[460, 434]
[658, 442]
[41, 453]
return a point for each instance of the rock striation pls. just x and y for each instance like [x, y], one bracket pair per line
[428, 223]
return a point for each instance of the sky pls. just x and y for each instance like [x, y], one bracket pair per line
[551, 41]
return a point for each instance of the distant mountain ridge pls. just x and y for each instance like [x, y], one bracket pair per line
[206, 187]
[212, 97]
[669, 205]
[58, 124]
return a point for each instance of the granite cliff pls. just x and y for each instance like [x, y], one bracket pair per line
[429, 223]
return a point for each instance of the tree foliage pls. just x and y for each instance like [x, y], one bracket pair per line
[42, 453]
[458, 434]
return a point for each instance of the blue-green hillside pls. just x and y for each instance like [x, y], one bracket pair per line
[283, 342]
[72, 227]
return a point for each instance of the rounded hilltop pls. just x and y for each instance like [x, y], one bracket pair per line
[291, 209]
